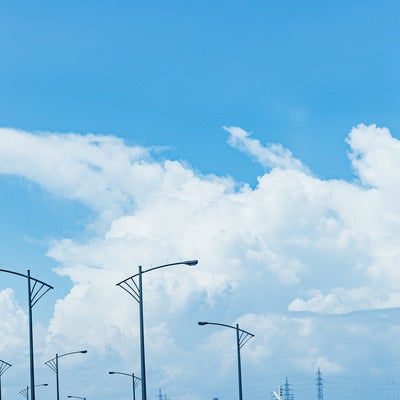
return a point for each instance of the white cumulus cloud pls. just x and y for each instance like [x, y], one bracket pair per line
[13, 326]
[279, 258]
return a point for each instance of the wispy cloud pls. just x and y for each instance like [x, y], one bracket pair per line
[271, 156]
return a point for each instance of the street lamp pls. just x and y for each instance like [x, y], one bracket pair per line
[76, 397]
[25, 392]
[3, 368]
[135, 381]
[53, 364]
[135, 290]
[35, 293]
[242, 337]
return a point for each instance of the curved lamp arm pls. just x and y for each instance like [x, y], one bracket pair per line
[52, 363]
[244, 335]
[188, 262]
[135, 378]
[130, 285]
[24, 392]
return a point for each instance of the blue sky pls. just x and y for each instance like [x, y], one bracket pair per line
[173, 74]
[237, 120]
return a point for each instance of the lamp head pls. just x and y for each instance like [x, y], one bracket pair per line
[83, 351]
[111, 372]
[202, 323]
[191, 262]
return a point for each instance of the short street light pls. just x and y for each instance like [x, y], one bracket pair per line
[242, 337]
[53, 364]
[76, 397]
[25, 392]
[135, 290]
[135, 381]
[3, 368]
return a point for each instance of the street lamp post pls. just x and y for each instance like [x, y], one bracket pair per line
[242, 337]
[53, 364]
[135, 290]
[25, 392]
[3, 368]
[135, 381]
[35, 293]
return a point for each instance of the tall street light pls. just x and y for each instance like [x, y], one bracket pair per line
[35, 293]
[25, 392]
[53, 364]
[135, 381]
[3, 368]
[242, 337]
[135, 290]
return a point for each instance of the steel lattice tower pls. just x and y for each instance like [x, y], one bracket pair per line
[287, 391]
[320, 383]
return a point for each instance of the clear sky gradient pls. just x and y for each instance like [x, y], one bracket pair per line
[224, 131]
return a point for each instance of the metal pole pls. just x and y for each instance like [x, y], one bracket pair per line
[142, 356]
[57, 380]
[239, 364]
[32, 369]
[0, 386]
[133, 387]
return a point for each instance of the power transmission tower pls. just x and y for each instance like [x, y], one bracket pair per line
[161, 396]
[286, 391]
[320, 383]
